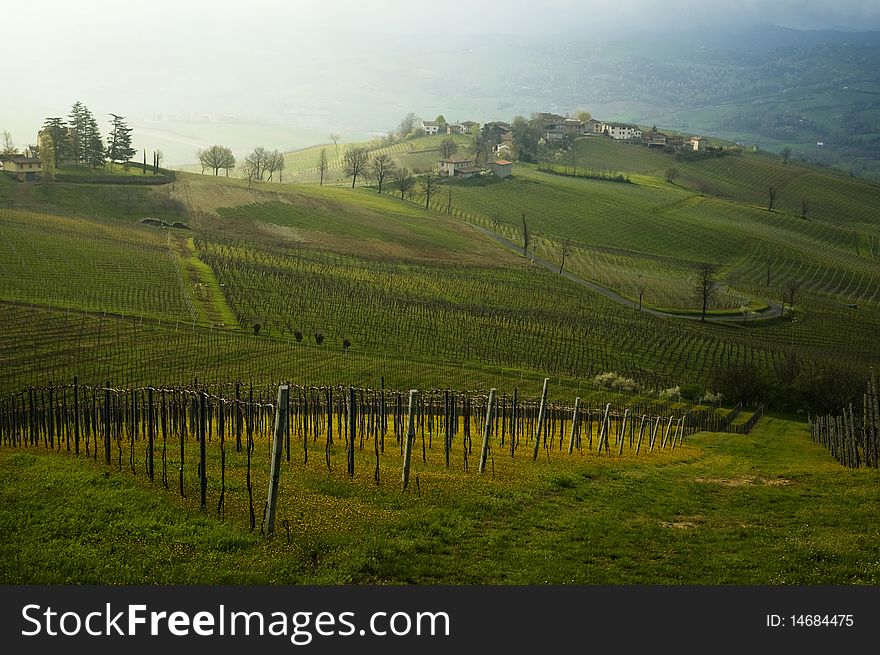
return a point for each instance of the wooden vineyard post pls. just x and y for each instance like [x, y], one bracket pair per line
[875, 419]
[150, 432]
[622, 433]
[540, 420]
[352, 431]
[76, 415]
[203, 474]
[447, 426]
[603, 430]
[410, 436]
[513, 419]
[574, 425]
[666, 433]
[107, 423]
[654, 433]
[281, 422]
[641, 429]
[238, 417]
[383, 421]
[484, 450]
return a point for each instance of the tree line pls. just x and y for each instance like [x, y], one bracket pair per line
[78, 141]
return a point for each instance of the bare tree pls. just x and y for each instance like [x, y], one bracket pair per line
[671, 174]
[706, 287]
[355, 163]
[381, 167]
[641, 290]
[407, 125]
[403, 180]
[789, 292]
[525, 236]
[8, 147]
[565, 252]
[805, 207]
[786, 155]
[448, 147]
[249, 170]
[215, 158]
[428, 182]
[335, 139]
[256, 164]
[771, 192]
[322, 164]
[274, 164]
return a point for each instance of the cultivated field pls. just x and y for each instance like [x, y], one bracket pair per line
[332, 286]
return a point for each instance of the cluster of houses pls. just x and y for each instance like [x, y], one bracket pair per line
[554, 129]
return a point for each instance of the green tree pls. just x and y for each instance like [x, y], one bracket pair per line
[93, 142]
[77, 129]
[53, 144]
[119, 149]
[526, 135]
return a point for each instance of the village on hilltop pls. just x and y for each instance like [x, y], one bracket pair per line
[553, 129]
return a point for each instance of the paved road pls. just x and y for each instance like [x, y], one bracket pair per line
[773, 308]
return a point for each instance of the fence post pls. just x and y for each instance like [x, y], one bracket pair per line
[484, 450]
[410, 436]
[107, 423]
[352, 431]
[540, 420]
[75, 415]
[277, 443]
[203, 473]
[150, 432]
[574, 424]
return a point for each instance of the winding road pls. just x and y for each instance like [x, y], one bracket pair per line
[773, 309]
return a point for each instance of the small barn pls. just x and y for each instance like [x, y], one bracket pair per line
[501, 168]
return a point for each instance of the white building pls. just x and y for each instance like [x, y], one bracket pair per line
[621, 131]
[453, 165]
[431, 127]
[698, 143]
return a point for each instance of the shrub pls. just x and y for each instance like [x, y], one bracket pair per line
[319, 338]
[612, 380]
[298, 336]
[672, 393]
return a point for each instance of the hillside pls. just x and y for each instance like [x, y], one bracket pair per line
[420, 296]
[141, 365]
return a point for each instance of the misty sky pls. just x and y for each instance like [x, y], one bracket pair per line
[300, 59]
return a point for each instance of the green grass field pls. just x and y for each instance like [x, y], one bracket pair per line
[769, 508]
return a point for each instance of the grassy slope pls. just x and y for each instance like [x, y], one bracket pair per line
[769, 508]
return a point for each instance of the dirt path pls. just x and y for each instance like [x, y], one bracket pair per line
[772, 310]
